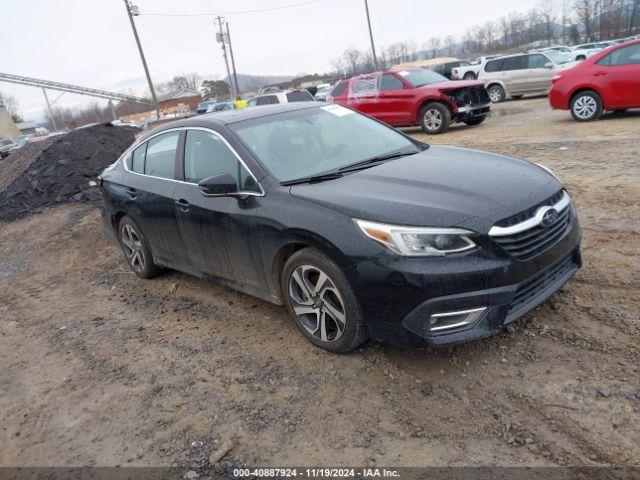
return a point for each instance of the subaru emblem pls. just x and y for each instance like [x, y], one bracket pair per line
[549, 217]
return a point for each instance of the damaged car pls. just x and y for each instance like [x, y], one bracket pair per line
[358, 229]
[414, 97]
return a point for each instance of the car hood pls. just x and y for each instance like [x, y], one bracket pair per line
[440, 187]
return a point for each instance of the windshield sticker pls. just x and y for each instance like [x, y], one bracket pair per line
[337, 110]
[404, 73]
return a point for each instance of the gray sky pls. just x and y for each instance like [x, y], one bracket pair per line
[90, 43]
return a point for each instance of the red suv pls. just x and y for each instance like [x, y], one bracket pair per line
[608, 80]
[416, 96]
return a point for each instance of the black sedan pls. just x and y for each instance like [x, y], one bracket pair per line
[360, 230]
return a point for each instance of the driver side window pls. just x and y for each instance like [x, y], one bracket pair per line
[206, 155]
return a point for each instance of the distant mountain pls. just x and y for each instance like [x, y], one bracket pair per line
[248, 83]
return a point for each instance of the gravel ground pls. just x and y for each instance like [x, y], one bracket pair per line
[100, 368]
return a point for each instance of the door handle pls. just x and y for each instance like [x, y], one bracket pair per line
[599, 73]
[183, 205]
[132, 192]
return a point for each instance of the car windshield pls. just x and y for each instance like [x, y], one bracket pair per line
[205, 104]
[558, 58]
[314, 141]
[421, 76]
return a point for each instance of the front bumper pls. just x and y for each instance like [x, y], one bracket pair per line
[399, 296]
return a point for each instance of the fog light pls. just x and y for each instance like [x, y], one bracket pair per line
[439, 322]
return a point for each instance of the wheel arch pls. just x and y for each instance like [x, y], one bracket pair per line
[581, 89]
[425, 101]
[296, 241]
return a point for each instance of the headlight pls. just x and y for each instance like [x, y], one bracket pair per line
[418, 241]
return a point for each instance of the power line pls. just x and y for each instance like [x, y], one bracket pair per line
[239, 12]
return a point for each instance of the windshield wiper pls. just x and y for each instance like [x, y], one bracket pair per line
[313, 178]
[369, 162]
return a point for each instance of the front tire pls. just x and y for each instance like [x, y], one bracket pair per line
[586, 106]
[496, 93]
[322, 302]
[435, 118]
[469, 76]
[136, 249]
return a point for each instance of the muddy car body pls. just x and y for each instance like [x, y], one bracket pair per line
[358, 229]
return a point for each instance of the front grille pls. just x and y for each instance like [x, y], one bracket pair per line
[530, 293]
[529, 243]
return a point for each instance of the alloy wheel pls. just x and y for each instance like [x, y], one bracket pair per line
[317, 303]
[432, 119]
[585, 107]
[132, 246]
[495, 95]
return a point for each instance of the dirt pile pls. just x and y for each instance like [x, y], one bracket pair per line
[62, 171]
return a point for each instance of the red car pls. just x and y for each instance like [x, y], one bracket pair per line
[416, 96]
[608, 80]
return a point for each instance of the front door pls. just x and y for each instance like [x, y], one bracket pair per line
[395, 101]
[217, 230]
[538, 76]
[514, 74]
[618, 76]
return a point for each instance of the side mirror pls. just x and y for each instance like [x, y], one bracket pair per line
[219, 185]
[548, 65]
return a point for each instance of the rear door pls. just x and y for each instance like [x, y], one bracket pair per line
[538, 76]
[216, 229]
[150, 195]
[395, 100]
[514, 73]
[618, 77]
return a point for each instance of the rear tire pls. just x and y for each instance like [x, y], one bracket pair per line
[475, 121]
[435, 118]
[580, 58]
[136, 249]
[586, 106]
[496, 93]
[321, 301]
[469, 76]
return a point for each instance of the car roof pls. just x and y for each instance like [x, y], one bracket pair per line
[227, 117]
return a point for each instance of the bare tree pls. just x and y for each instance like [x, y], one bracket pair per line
[584, 13]
[353, 59]
[11, 104]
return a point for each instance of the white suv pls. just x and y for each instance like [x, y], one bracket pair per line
[518, 75]
[286, 96]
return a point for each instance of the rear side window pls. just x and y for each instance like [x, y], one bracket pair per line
[339, 89]
[300, 96]
[622, 56]
[390, 82]
[206, 155]
[494, 65]
[137, 159]
[515, 63]
[161, 155]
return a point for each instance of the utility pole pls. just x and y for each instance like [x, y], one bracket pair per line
[53, 119]
[373, 47]
[131, 11]
[233, 62]
[220, 39]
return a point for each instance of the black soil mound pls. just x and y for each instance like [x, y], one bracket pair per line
[62, 172]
